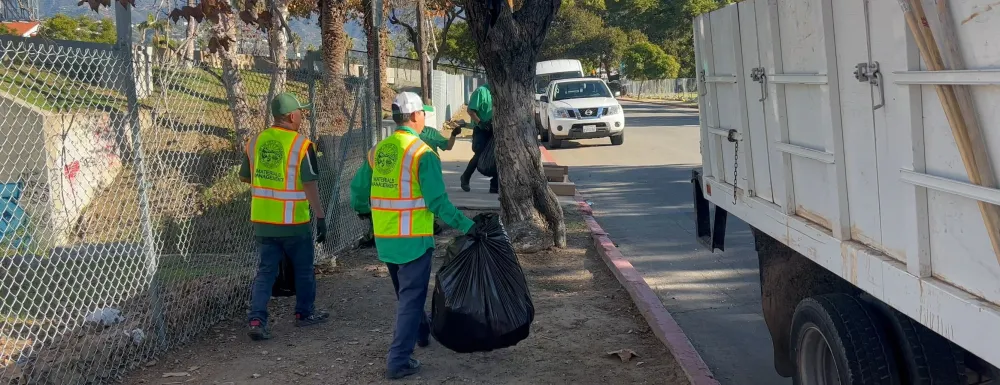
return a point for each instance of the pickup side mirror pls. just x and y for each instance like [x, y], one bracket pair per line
[544, 99]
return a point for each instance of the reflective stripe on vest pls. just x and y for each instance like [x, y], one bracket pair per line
[398, 206]
[277, 196]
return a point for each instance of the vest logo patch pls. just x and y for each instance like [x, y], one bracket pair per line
[271, 154]
[385, 158]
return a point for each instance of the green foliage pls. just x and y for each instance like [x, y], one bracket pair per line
[5, 30]
[82, 28]
[645, 61]
[459, 47]
[579, 32]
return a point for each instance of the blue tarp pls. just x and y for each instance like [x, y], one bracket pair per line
[12, 216]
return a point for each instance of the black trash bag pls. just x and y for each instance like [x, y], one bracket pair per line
[487, 164]
[284, 286]
[481, 299]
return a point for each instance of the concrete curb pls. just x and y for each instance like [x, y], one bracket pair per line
[671, 103]
[659, 319]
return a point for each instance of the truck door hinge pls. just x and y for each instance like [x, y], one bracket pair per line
[702, 87]
[870, 73]
[759, 75]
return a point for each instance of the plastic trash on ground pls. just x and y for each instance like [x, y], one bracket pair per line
[481, 299]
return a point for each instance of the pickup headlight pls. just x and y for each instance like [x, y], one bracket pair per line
[563, 113]
[614, 110]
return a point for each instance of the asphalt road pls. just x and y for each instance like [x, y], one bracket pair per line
[641, 194]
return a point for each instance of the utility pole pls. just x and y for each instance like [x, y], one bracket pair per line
[425, 76]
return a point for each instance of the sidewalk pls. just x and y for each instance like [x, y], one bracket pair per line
[453, 163]
[581, 314]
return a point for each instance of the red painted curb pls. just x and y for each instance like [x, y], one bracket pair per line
[659, 319]
[546, 155]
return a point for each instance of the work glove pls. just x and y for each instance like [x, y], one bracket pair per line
[365, 216]
[456, 131]
[320, 230]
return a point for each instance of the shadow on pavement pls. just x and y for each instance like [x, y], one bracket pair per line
[715, 297]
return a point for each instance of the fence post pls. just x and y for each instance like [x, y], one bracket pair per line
[310, 64]
[375, 71]
[126, 52]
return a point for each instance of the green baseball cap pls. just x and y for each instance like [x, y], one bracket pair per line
[286, 103]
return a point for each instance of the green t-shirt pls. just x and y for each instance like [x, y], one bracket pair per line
[308, 172]
[404, 250]
[434, 139]
[481, 101]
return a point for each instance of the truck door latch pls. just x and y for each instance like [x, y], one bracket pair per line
[870, 73]
[759, 75]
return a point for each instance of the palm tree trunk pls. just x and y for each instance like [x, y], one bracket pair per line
[191, 34]
[332, 93]
[225, 30]
[278, 41]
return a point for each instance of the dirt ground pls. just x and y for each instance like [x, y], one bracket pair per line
[581, 314]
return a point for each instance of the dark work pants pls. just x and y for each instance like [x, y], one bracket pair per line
[471, 169]
[301, 251]
[410, 281]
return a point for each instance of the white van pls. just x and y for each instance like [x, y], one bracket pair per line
[546, 72]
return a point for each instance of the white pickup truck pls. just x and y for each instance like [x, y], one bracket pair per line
[583, 108]
[858, 139]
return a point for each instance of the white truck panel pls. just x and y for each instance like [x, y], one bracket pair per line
[879, 196]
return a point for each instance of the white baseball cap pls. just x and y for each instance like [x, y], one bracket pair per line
[408, 103]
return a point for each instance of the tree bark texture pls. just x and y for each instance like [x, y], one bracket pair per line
[383, 51]
[508, 50]
[225, 29]
[333, 97]
[277, 38]
[191, 34]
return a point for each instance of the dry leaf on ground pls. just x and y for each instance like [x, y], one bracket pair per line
[624, 354]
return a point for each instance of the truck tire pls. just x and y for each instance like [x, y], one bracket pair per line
[551, 139]
[545, 135]
[618, 140]
[925, 358]
[837, 337]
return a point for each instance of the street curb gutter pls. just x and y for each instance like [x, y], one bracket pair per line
[659, 319]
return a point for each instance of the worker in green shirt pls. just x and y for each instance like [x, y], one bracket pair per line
[437, 142]
[401, 188]
[481, 110]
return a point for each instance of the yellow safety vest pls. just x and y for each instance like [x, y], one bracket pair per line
[278, 195]
[398, 207]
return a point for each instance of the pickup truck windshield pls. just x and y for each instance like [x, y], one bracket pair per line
[580, 90]
[542, 81]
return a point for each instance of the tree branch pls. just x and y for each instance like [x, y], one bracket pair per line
[411, 32]
[450, 17]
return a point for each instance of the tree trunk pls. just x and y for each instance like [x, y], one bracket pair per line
[191, 35]
[508, 50]
[277, 38]
[383, 51]
[233, 81]
[332, 92]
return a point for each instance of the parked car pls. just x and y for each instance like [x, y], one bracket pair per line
[546, 72]
[581, 108]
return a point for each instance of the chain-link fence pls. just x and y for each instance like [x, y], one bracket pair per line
[124, 228]
[672, 89]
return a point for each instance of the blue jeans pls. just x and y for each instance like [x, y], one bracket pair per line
[302, 253]
[410, 281]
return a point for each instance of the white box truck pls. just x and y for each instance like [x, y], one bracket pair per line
[858, 139]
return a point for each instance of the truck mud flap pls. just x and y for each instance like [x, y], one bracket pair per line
[712, 237]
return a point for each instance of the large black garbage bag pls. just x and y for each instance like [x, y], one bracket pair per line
[284, 286]
[481, 299]
[487, 164]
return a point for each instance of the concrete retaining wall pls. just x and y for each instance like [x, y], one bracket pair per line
[63, 160]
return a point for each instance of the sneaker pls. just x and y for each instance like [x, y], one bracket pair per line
[412, 368]
[313, 319]
[259, 331]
